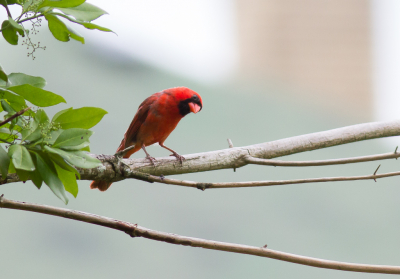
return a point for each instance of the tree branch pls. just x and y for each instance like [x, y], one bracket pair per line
[237, 157]
[276, 163]
[115, 169]
[203, 186]
[138, 231]
[21, 112]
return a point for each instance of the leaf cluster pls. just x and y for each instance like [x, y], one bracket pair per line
[74, 11]
[41, 149]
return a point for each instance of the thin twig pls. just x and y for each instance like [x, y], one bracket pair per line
[21, 112]
[280, 163]
[6, 141]
[8, 11]
[123, 152]
[376, 171]
[216, 185]
[231, 146]
[30, 18]
[230, 143]
[135, 230]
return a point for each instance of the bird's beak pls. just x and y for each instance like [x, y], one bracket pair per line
[195, 108]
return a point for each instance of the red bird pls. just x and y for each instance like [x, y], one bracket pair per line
[155, 119]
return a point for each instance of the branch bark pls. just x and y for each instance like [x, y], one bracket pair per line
[218, 185]
[138, 231]
[237, 157]
[21, 112]
[114, 168]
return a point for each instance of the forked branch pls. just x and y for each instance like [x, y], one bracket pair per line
[218, 185]
[115, 169]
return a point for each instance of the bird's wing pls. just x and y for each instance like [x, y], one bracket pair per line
[138, 120]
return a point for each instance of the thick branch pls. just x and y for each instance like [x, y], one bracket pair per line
[238, 156]
[115, 169]
[138, 231]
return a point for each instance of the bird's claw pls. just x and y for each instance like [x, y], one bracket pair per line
[180, 158]
[152, 160]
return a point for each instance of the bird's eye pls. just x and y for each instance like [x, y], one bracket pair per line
[195, 98]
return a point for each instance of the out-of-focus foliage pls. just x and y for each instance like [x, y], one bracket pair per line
[33, 146]
[75, 11]
[40, 149]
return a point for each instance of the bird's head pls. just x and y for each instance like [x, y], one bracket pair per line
[188, 100]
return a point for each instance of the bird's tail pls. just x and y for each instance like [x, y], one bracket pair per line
[104, 185]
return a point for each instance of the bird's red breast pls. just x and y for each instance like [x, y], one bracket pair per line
[156, 118]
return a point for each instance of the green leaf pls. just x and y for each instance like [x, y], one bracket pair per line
[11, 168]
[6, 106]
[57, 159]
[37, 96]
[61, 3]
[86, 148]
[23, 175]
[17, 102]
[53, 136]
[20, 79]
[16, 25]
[27, 6]
[21, 157]
[92, 26]
[84, 12]
[48, 172]
[11, 111]
[76, 158]
[72, 137]
[34, 131]
[17, 129]
[87, 25]
[6, 134]
[60, 31]
[57, 28]
[85, 118]
[75, 35]
[35, 175]
[83, 147]
[4, 162]
[59, 113]
[3, 75]
[10, 33]
[9, 2]
[68, 179]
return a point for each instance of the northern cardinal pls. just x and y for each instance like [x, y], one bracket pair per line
[155, 119]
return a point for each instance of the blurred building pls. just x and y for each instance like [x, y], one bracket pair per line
[322, 47]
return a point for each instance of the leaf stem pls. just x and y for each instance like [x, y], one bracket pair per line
[30, 18]
[8, 11]
[6, 141]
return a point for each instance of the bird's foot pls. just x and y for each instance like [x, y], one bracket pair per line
[152, 159]
[180, 158]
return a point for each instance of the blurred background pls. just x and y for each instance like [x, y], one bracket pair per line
[266, 70]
